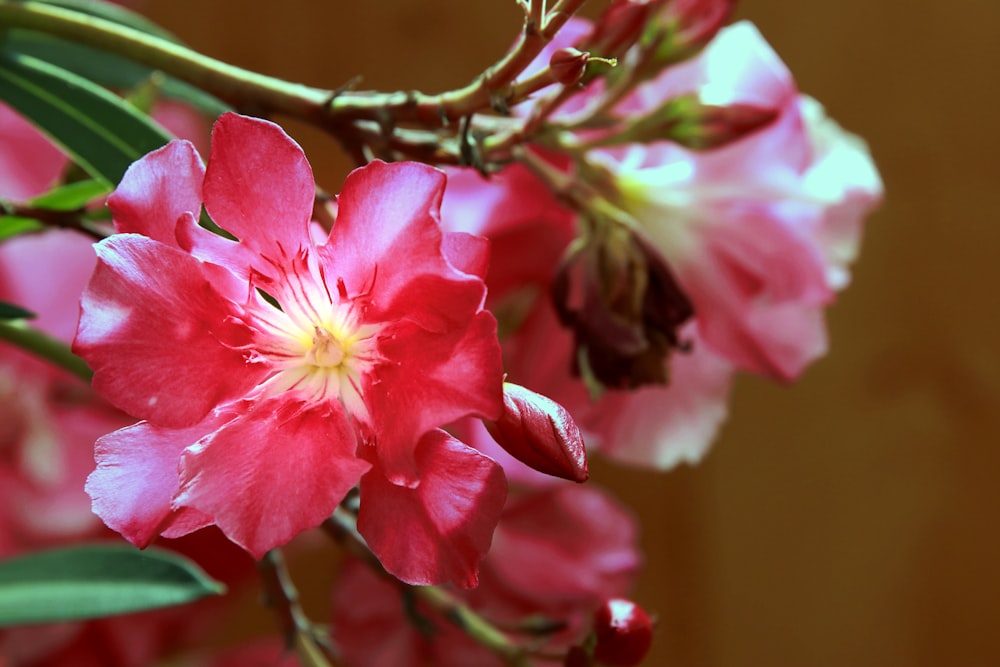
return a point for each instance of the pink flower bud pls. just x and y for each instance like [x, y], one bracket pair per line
[624, 633]
[568, 65]
[540, 433]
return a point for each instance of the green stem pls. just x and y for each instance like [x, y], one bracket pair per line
[42, 345]
[343, 527]
[239, 87]
[333, 110]
[281, 594]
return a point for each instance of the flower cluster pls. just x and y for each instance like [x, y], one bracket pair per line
[577, 252]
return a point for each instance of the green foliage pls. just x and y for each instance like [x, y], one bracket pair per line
[97, 580]
[103, 133]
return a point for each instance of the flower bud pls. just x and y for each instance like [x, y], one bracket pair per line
[694, 124]
[624, 633]
[620, 25]
[568, 65]
[618, 295]
[540, 433]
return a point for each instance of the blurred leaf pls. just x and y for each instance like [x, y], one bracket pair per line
[12, 225]
[101, 132]
[9, 311]
[72, 196]
[106, 69]
[97, 580]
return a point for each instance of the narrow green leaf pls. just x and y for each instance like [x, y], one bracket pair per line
[72, 196]
[12, 225]
[103, 133]
[106, 69]
[97, 580]
[9, 311]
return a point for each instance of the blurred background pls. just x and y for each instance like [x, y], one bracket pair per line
[849, 519]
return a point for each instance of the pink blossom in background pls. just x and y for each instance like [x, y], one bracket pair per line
[259, 418]
[557, 553]
[758, 233]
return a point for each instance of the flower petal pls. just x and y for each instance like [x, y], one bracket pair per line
[271, 473]
[259, 186]
[445, 377]
[151, 326]
[388, 219]
[156, 190]
[136, 476]
[664, 426]
[441, 529]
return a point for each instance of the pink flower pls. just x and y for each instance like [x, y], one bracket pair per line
[275, 373]
[48, 418]
[749, 228]
[557, 554]
[758, 235]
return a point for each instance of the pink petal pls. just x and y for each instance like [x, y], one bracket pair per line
[271, 473]
[150, 328]
[442, 378]
[387, 241]
[259, 186]
[30, 163]
[467, 252]
[439, 530]
[136, 476]
[46, 273]
[662, 427]
[565, 546]
[156, 190]
[758, 287]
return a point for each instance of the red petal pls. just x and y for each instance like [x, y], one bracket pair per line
[540, 433]
[271, 473]
[387, 241]
[136, 476]
[156, 190]
[259, 186]
[438, 378]
[441, 529]
[150, 328]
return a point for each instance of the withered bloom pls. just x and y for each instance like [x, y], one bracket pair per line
[621, 300]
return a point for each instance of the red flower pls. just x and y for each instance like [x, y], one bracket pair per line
[273, 372]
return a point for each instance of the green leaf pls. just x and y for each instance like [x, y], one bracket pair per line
[12, 225]
[97, 580]
[9, 311]
[72, 196]
[103, 133]
[107, 69]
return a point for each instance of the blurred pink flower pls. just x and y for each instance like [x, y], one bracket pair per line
[758, 233]
[557, 554]
[277, 372]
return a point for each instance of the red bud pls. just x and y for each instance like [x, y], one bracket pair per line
[624, 633]
[568, 65]
[540, 433]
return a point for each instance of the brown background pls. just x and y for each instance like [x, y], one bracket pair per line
[850, 519]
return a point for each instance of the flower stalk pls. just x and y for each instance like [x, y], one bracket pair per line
[26, 337]
[343, 527]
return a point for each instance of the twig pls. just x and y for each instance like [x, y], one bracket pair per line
[343, 527]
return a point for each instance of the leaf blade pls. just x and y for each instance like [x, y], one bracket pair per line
[92, 581]
[102, 132]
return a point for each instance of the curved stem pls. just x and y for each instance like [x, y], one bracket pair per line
[342, 526]
[42, 345]
[237, 86]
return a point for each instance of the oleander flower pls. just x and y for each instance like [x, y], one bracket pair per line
[275, 372]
